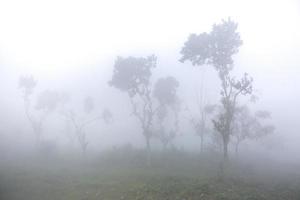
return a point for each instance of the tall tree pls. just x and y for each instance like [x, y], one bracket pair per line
[132, 75]
[216, 49]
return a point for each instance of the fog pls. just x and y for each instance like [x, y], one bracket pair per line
[79, 112]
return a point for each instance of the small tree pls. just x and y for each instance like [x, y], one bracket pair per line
[217, 48]
[27, 85]
[132, 75]
[80, 124]
[201, 116]
[165, 91]
[46, 102]
[248, 126]
[200, 124]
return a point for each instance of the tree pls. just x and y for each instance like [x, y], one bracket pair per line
[263, 128]
[46, 102]
[80, 124]
[216, 49]
[132, 75]
[248, 126]
[200, 123]
[201, 116]
[165, 91]
[27, 84]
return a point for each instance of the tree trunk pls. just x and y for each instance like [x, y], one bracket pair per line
[148, 151]
[201, 145]
[224, 162]
[225, 148]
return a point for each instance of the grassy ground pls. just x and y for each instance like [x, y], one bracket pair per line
[119, 175]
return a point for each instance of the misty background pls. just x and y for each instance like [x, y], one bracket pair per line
[71, 47]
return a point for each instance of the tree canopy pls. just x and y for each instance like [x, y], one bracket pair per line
[165, 90]
[215, 48]
[132, 74]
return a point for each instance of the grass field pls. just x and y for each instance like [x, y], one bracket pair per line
[123, 175]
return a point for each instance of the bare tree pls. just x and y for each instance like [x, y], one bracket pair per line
[217, 48]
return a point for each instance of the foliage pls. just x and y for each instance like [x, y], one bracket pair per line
[27, 83]
[133, 74]
[165, 90]
[215, 48]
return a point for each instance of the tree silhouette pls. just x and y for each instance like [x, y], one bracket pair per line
[132, 75]
[216, 49]
[46, 102]
[248, 126]
[80, 123]
[200, 124]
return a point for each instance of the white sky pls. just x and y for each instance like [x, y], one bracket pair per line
[50, 36]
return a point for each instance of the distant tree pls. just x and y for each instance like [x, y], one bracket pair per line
[248, 126]
[80, 123]
[200, 124]
[216, 141]
[243, 126]
[132, 75]
[46, 102]
[27, 84]
[200, 116]
[165, 91]
[263, 128]
[217, 48]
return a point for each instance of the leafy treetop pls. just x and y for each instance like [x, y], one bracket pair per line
[133, 74]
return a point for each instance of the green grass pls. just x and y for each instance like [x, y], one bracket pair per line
[119, 177]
